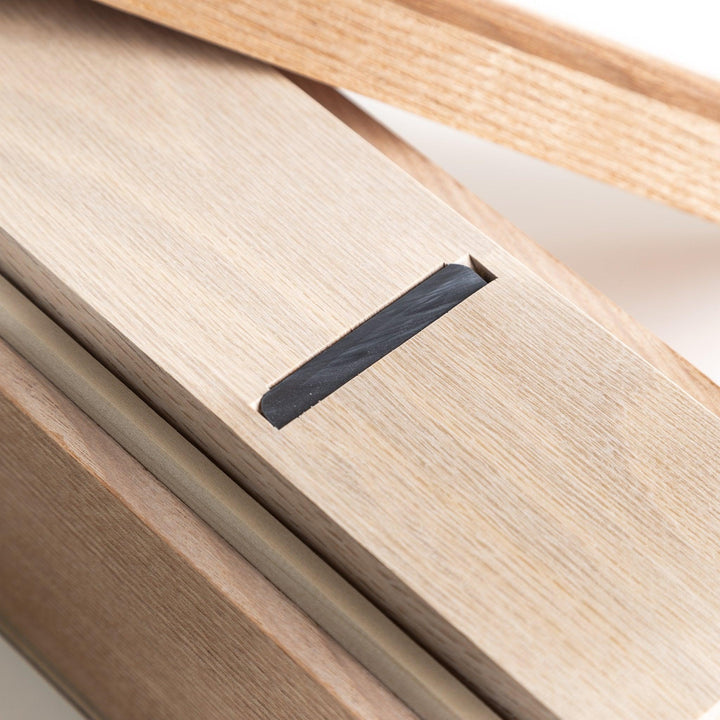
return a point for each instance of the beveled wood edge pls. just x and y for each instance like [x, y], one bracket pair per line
[360, 628]
[591, 106]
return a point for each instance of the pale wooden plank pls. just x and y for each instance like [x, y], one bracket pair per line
[514, 485]
[588, 298]
[136, 606]
[505, 75]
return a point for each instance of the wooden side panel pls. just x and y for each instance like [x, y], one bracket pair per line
[138, 607]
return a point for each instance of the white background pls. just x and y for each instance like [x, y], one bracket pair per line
[661, 265]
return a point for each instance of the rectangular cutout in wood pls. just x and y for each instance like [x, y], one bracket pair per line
[371, 340]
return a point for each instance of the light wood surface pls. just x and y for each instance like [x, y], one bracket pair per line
[551, 40]
[584, 104]
[359, 627]
[588, 298]
[136, 606]
[47, 355]
[513, 485]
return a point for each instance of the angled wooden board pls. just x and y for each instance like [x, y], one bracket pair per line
[494, 70]
[515, 486]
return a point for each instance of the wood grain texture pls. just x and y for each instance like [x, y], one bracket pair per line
[600, 58]
[528, 497]
[359, 627]
[139, 607]
[588, 298]
[576, 102]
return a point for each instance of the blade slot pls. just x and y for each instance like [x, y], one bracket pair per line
[369, 342]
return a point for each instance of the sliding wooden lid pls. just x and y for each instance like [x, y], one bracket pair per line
[522, 493]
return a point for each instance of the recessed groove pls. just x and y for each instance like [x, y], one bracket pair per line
[370, 341]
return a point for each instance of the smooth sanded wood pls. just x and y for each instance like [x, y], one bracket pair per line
[136, 606]
[587, 105]
[47, 347]
[527, 496]
[588, 298]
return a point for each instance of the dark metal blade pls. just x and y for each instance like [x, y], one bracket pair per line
[367, 343]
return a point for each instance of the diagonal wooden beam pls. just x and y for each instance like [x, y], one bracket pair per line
[587, 105]
[551, 40]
